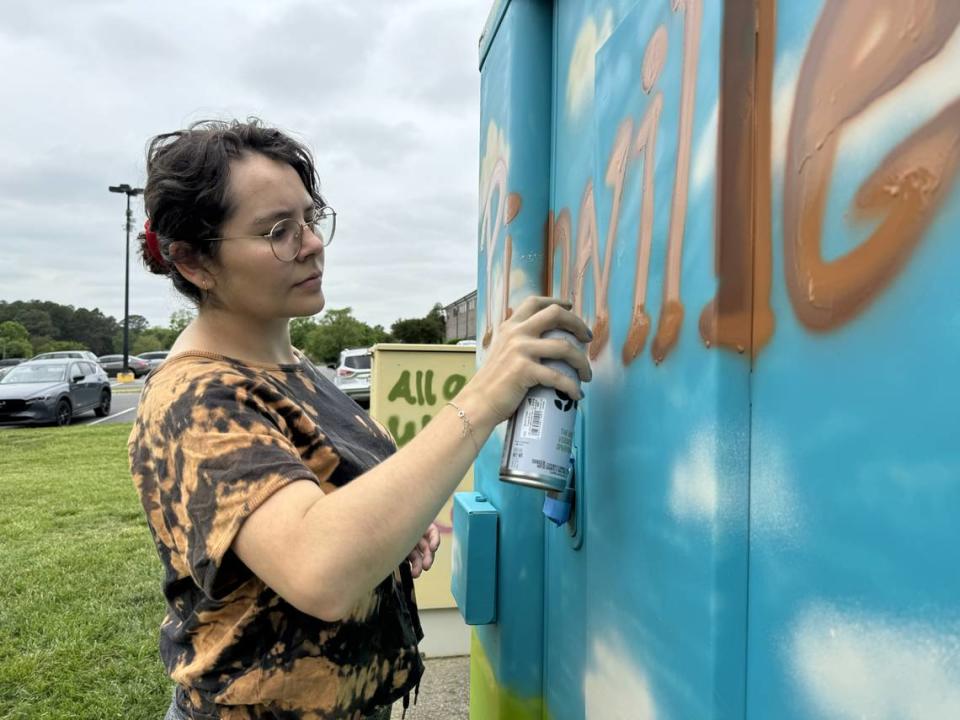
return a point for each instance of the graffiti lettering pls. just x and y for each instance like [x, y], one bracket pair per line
[858, 53]
[423, 380]
[452, 385]
[847, 62]
[409, 428]
[740, 315]
[418, 389]
[645, 146]
[587, 250]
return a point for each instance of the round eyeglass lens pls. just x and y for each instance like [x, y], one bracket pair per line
[285, 239]
[325, 224]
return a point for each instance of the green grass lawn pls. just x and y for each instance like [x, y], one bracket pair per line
[80, 602]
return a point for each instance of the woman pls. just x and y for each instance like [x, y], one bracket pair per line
[282, 514]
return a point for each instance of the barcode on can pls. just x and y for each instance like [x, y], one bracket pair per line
[532, 427]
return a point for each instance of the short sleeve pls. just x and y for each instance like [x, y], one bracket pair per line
[229, 458]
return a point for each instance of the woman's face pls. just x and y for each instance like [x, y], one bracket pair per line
[249, 280]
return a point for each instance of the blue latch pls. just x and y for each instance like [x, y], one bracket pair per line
[473, 579]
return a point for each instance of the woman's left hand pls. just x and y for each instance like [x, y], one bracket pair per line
[421, 557]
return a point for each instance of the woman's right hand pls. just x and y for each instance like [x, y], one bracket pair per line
[513, 363]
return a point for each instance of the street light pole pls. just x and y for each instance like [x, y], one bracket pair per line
[129, 192]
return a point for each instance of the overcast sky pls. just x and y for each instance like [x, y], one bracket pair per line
[385, 93]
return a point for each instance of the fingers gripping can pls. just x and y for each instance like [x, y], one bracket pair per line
[539, 440]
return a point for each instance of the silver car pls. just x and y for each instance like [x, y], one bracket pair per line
[155, 357]
[66, 355]
[113, 365]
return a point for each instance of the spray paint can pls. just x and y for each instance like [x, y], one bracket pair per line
[539, 441]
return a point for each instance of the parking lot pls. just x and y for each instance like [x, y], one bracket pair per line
[123, 407]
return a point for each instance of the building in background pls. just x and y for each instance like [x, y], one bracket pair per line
[462, 318]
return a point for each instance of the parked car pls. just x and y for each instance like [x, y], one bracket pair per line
[7, 364]
[113, 364]
[353, 373]
[155, 357]
[53, 391]
[66, 354]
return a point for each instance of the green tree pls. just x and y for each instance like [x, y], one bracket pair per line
[428, 329]
[301, 329]
[14, 340]
[36, 321]
[137, 324]
[93, 330]
[148, 340]
[180, 319]
[48, 323]
[338, 329]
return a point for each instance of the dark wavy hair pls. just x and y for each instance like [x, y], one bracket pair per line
[188, 172]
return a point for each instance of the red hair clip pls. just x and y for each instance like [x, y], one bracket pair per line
[153, 243]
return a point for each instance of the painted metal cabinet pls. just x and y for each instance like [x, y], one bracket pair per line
[410, 384]
[754, 204]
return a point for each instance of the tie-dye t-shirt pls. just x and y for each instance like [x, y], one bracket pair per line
[213, 439]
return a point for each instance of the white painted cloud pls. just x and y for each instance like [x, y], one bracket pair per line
[775, 510]
[580, 77]
[496, 148]
[615, 687]
[784, 90]
[694, 482]
[519, 290]
[855, 666]
[912, 103]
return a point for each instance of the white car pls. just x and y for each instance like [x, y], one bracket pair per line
[353, 373]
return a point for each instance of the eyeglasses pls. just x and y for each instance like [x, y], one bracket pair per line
[286, 237]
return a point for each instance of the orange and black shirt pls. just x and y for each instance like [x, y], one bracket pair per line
[213, 439]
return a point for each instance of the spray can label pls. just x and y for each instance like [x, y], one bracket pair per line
[539, 439]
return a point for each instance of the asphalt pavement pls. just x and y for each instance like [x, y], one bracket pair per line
[444, 691]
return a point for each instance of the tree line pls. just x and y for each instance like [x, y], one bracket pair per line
[28, 328]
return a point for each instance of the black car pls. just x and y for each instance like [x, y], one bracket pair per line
[53, 391]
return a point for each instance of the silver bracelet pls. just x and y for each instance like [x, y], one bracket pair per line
[467, 427]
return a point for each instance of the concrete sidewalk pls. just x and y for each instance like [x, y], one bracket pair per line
[444, 692]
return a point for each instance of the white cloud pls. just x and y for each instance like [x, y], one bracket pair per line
[615, 687]
[387, 97]
[694, 482]
[852, 665]
[580, 76]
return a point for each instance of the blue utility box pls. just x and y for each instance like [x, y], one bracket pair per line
[474, 565]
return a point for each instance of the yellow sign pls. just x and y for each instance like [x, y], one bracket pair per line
[408, 386]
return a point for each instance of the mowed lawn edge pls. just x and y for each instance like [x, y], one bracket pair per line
[80, 599]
